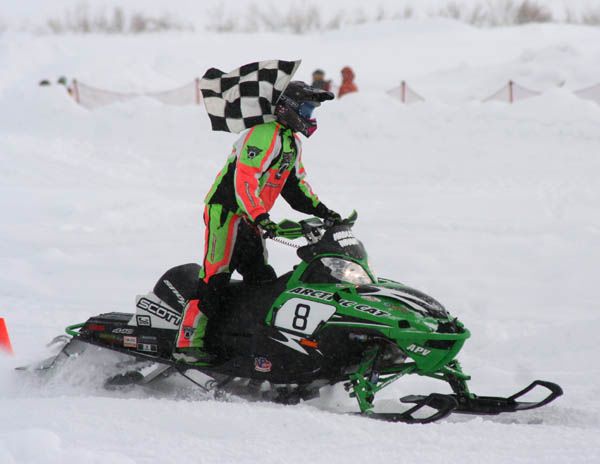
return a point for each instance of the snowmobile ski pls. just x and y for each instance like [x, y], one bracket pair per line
[443, 406]
[492, 405]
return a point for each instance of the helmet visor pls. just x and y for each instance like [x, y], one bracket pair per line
[305, 109]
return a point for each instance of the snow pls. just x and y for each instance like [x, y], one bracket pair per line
[491, 208]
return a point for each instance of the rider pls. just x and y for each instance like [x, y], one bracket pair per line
[265, 162]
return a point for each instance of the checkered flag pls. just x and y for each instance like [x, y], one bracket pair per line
[246, 96]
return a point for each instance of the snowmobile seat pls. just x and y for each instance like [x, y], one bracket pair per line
[178, 285]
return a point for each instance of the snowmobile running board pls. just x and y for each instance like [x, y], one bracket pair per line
[493, 405]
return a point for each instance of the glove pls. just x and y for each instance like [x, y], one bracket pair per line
[330, 217]
[269, 227]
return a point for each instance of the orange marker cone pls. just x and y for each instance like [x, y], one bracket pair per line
[4, 339]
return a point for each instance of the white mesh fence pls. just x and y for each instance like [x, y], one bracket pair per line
[512, 92]
[405, 94]
[590, 93]
[501, 95]
[189, 94]
[521, 93]
[92, 97]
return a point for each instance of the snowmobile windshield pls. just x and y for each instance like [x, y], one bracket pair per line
[337, 240]
[346, 271]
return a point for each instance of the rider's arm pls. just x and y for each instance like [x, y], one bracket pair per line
[298, 193]
[258, 150]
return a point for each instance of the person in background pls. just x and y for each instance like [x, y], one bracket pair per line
[62, 80]
[319, 81]
[348, 85]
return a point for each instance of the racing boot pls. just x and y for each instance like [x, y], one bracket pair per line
[189, 345]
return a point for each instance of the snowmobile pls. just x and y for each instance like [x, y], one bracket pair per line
[330, 320]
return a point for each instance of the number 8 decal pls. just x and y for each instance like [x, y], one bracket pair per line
[301, 316]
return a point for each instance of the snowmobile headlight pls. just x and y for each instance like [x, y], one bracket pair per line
[347, 271]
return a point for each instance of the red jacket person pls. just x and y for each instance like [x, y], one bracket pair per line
[348, 85]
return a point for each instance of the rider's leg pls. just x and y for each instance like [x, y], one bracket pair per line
[220, 237]
[208, 306]
[251, 257]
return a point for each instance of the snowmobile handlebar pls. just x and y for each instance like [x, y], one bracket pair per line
[311, 228]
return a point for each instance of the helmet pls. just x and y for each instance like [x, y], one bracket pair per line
[295, 106]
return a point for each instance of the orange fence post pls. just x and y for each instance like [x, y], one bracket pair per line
[75, 90]
[4, 338]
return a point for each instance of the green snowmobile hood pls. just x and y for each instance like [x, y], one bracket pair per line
[419, 325]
